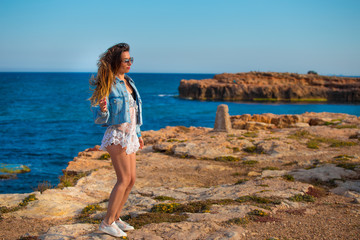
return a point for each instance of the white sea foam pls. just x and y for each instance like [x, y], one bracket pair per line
[166, 95]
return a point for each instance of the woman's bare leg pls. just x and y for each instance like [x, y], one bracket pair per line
[123, 169]
[131, 184]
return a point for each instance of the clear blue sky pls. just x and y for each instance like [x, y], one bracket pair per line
[183, 36]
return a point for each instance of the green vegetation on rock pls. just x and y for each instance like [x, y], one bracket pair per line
[257, 212]
[241, 181]
[251, 149]
[164, 198]
[302, 198]
[28, 199]
[343, 157]
[84, 216]
[299, 134]
[256, 199]
[313, 144]
[288, 177]
[175, 140]
[314, 141]
[349, 166]
[270, 168]
[265, 99]
[14, 168]
[249, 162]
[105, 156]
[227, 159]
[308, 100]
[250, 134]
[23, 203]
[155, 217]
[238, 221]
[70, 179]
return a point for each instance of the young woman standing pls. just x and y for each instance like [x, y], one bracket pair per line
[117, 105]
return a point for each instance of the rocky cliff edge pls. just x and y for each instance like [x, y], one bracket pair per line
[283, 182]
[272, 86]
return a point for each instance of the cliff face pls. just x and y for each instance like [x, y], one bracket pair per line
[271, 86]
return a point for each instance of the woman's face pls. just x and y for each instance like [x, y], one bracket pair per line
[125, 66]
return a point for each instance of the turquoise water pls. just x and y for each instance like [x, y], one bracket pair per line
[45, 118]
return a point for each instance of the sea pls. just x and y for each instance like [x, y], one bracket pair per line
[46, 119]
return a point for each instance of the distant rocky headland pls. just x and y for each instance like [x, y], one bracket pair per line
[273, 86]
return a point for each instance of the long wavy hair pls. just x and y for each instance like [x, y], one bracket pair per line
[108, 67]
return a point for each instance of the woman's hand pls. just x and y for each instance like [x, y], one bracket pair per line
[103, 104]
[141, 141]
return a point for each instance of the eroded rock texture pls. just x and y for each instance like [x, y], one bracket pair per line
[272, 86]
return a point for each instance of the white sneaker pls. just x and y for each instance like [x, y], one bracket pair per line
[124, 225]
[112, 229]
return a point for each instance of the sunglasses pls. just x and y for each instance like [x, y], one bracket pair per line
[123, 45]
[128, 60]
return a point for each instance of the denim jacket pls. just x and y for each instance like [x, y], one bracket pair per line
[118, 106]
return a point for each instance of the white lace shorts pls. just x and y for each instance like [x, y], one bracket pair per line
[115, 134]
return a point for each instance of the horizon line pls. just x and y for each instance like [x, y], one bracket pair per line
[340, 75]
[96, 72]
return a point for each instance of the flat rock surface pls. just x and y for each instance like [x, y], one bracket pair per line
[252, 185]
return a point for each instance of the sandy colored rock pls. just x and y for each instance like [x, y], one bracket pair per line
[220, 213]
[197, 164]
[55, 204]
[345, 187]
[85, 165]
[163, 146]
[278, 187]
[222, 119]
[274, 148]
[273, 173]
[323, 173]
[12, 200]
[272, 86]
[251, 126]
[301, 125]
[73, 231]
[253, 174]
[191, 230]
[270, 121]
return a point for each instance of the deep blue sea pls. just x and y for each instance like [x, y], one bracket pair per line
[46, 120]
